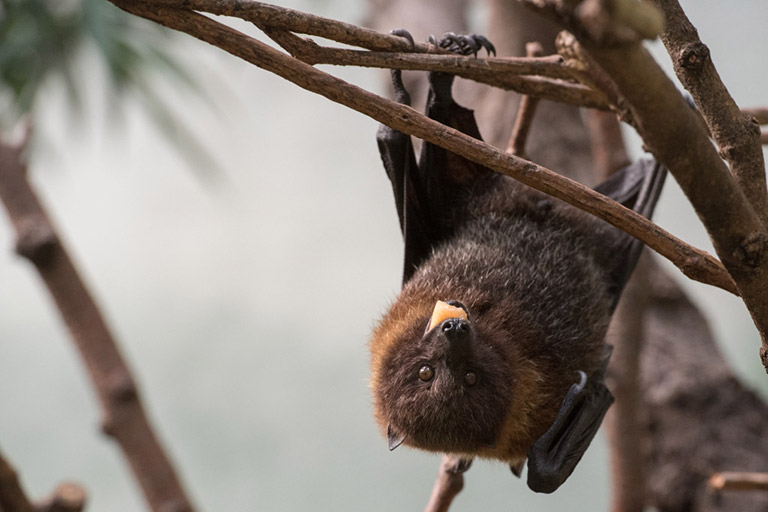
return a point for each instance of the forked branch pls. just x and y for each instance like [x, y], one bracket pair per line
[695, 263]
[673, 132]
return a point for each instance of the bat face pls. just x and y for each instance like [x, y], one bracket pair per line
[444, 388]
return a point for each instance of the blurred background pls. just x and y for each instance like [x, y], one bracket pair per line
[240, 237]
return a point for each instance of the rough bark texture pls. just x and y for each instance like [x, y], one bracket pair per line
[735, 133]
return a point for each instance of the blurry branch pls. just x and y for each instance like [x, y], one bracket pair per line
[628, 464]
[694, 263]
[626, 333]
[760, 114]
[525, 111]
[67, 497]
[607, 145]
[739, 481]
[449, 483]
[673, 132]
[124, 417]
[12, 496]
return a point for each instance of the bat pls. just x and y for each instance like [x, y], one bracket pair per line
[495, 346]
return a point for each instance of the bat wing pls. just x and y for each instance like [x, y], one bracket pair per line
[636, 186]
[553, 457]
[429, 195]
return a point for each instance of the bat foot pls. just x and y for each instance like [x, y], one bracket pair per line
[464, 44]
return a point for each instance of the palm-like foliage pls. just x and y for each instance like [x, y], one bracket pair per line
[41, 40]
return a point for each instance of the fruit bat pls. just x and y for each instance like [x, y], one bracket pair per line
[495, 346]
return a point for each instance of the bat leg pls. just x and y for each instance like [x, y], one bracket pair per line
[553, 457]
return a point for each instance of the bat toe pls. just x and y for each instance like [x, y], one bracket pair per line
[464, 44]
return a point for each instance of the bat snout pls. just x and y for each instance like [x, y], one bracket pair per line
[455, 329]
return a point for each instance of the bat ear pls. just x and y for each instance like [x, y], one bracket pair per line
[553, 457]
[517, 468]
[393, 438]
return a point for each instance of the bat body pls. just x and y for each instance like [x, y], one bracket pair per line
[495, 346]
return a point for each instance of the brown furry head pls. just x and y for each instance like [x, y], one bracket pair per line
[453, 384]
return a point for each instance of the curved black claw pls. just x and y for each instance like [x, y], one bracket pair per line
[485, 43]
[404, 34]
[464, 44]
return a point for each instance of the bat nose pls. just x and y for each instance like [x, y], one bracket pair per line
[455, 329]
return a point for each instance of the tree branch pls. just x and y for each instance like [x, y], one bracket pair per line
[730, 480]
[675, 135]
[12, 496]
[737, 135]
[448, 484]
[392, 52]
[124, 417]
[553, 80]
[67, 497]
[525, 112]
[694, 263]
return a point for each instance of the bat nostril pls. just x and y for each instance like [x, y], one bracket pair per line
[447, 325]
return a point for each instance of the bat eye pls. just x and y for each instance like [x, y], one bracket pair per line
[426, 373]
[470, 378]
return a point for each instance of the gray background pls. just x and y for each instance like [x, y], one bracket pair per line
[244, 306]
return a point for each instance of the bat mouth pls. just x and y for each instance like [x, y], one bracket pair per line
[445, 310]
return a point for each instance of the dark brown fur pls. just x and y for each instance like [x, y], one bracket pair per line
[532, 273]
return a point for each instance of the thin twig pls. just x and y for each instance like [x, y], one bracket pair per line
[525, 111]
[552, 80]
[448, 484]
[124, 417]
[759, 113]
[608, 153]
[694, 263]
[737, 481]
[267, 15]
[393, 52]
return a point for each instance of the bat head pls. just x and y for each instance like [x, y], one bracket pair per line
[444, 387]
